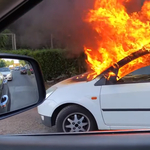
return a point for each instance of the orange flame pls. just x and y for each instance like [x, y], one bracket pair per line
[120, 34]
[110, 74]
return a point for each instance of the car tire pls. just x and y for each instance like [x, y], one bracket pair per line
[75, 118]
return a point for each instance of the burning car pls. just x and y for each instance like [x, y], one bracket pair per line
[105, 102]
[115, 94]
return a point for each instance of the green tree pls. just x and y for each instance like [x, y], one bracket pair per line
[22, 62]
[8, 63]
[2, 63]
[4, 39]
[11, 62]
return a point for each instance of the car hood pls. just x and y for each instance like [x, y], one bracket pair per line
[5, 73]
[80, 79]
[75, 82]
[71, 81]
[84, 77]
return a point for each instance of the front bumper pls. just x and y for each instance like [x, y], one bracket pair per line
[46, 121]
[8, 78]
[45, 110]
[23, 72]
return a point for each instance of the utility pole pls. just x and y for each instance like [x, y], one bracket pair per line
[14, 47]
[52, 45]
[13, 40]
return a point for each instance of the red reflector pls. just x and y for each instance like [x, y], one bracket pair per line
[93, 98]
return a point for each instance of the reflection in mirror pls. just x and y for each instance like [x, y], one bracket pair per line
[18, 87]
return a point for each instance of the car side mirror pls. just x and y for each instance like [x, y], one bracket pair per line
[20, 89]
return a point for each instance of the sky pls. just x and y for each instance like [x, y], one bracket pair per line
[15, 60]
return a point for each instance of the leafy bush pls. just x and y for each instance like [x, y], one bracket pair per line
[2, 63]
[29, 72]
[4, 39]
[54, 63]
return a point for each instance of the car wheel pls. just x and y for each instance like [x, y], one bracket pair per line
[74, 118]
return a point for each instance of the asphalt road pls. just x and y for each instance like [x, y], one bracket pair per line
[28, 122]
[23, 90]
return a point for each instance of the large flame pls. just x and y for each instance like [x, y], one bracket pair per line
[120, 34]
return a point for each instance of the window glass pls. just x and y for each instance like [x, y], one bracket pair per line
[4, 69]
[140, 75]
[7, 5]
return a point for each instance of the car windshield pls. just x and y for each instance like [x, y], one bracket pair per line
[23, 68]
[4, 70]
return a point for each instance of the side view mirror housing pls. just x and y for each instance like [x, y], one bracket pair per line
[21, 84]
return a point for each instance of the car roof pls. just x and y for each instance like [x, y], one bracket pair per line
[4, 68]
[11, 10]
[126, 60]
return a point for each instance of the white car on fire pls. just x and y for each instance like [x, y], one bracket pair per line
[77, 105]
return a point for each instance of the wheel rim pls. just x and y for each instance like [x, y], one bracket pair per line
[76, 122]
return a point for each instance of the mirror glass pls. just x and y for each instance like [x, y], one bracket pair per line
[18, 87]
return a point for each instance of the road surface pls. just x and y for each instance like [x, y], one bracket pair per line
[23, 90]
[28, 122]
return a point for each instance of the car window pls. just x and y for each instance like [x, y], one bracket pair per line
[23, 68]
[4, 70]
[140, 75]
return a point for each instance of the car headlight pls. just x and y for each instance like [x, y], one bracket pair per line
[50, 91]
[9, 75]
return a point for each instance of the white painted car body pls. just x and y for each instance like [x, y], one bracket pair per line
[7, 75]
[74, 93]
[120, 106]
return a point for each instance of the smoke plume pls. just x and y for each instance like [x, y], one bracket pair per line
[62, 20]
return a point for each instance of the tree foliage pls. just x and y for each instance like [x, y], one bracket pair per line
[4, 39]
[54, 63]
[22, 62]
[8, 63]
[2, 63]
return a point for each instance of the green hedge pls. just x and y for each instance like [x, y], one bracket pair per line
[54, 62]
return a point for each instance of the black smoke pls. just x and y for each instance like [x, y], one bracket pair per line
[64, 20]
[61, 18]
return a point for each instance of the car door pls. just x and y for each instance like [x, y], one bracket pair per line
[127, 103]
